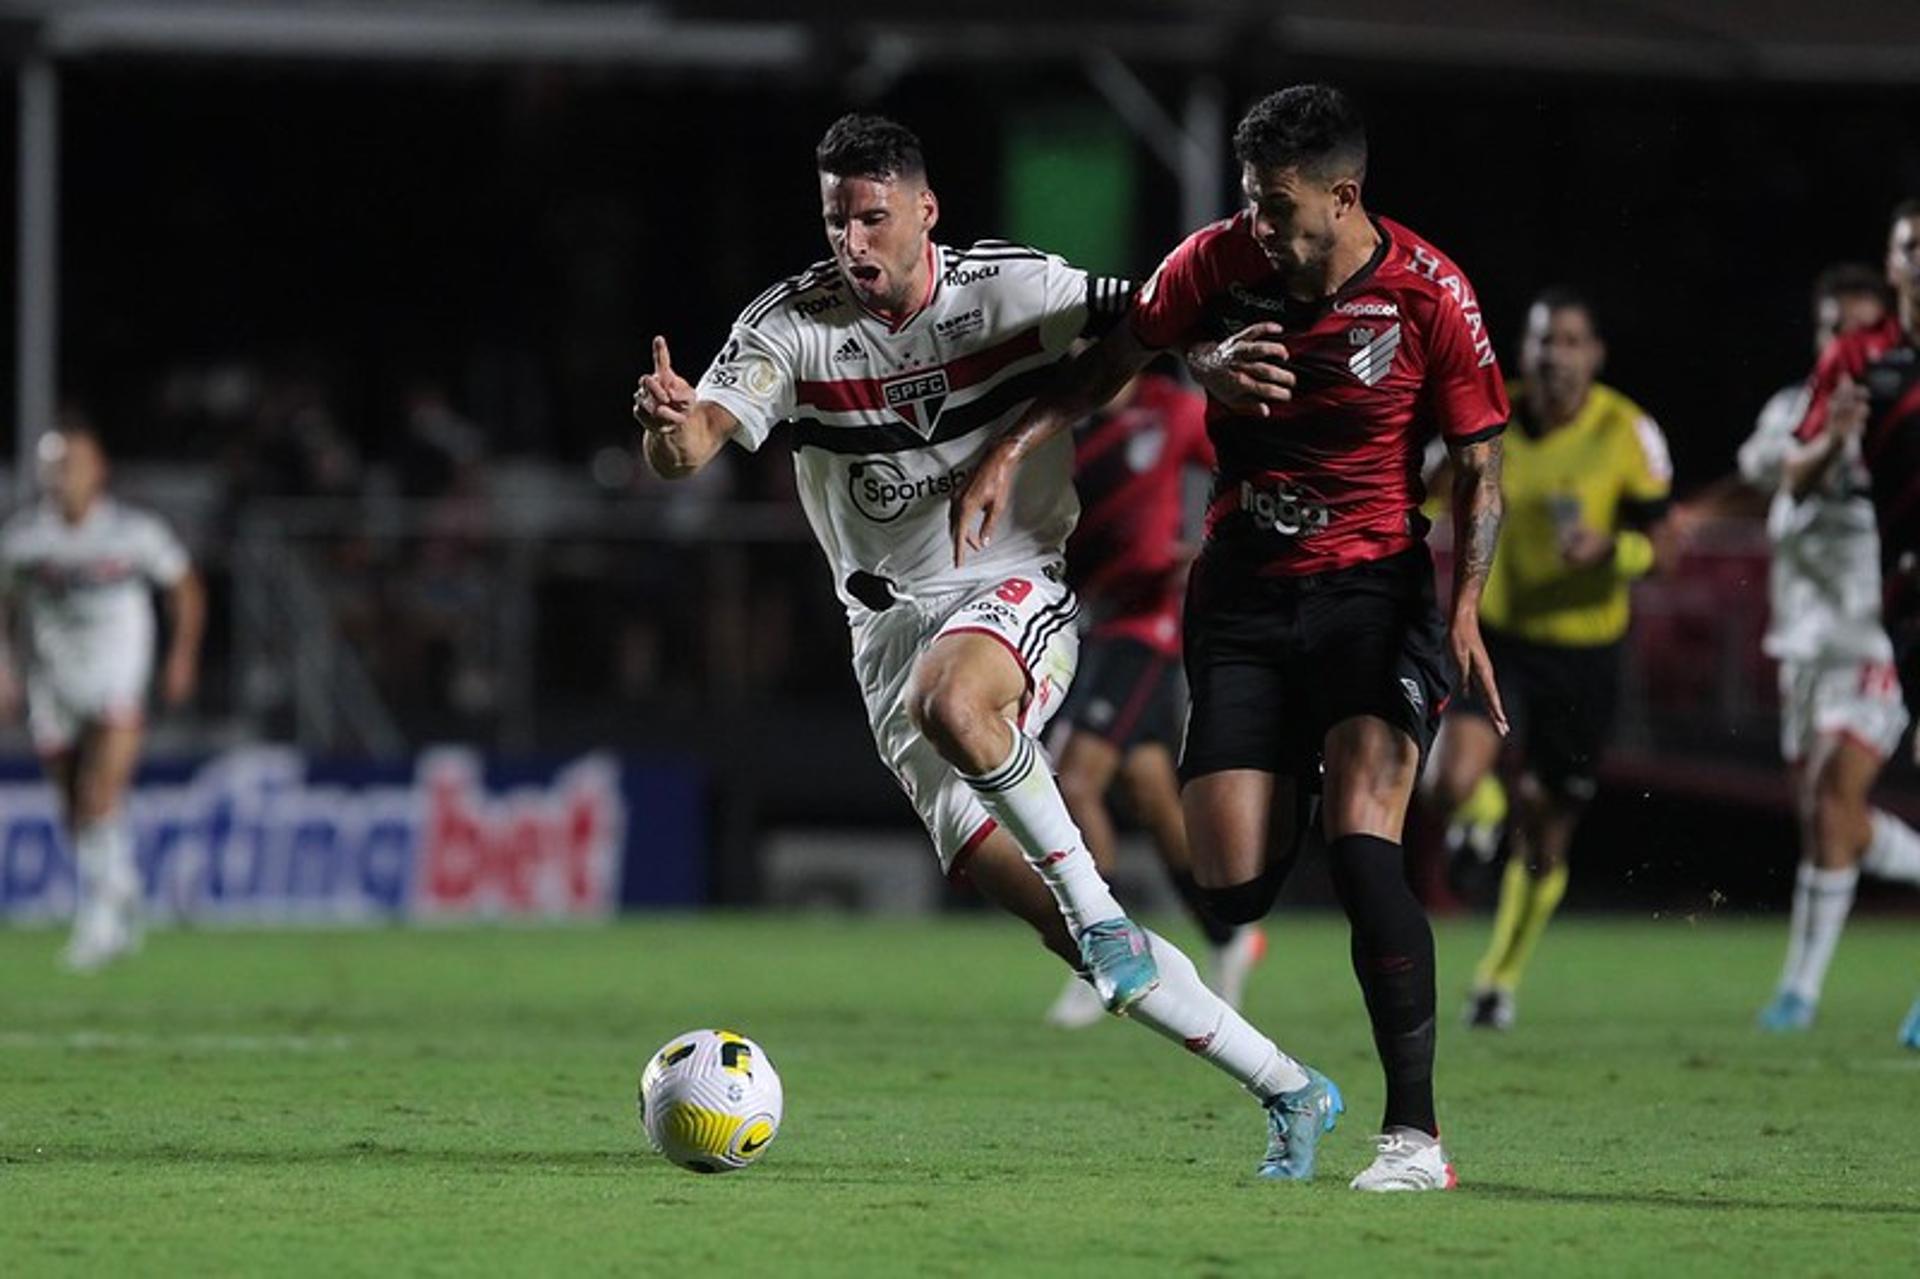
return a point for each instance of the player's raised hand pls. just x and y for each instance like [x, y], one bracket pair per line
[1847, 410]
[1475, 668]
[1248, 372]
[664, 397]
[975, 510]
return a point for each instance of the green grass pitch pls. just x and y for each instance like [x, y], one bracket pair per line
[461, 1102]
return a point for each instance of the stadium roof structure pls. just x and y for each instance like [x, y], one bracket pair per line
[1819, 41]
[866, 48]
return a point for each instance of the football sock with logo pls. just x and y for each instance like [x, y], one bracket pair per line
[1217, 931]
[1020, 794]
[1392, 946]
[1544, 894]
[1185, 1011]
[1821, 900]
[1894, 850]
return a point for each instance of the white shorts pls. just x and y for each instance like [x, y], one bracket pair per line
[1857, 700]
[1033, 614]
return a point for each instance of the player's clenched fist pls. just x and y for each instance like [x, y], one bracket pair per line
[664, 397]
[1847, 410]
[1248, 371]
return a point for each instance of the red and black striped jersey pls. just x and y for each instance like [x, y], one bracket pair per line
[1886, 361]
[1398, 354]
[1124, 558]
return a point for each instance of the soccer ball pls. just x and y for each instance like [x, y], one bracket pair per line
[710, 1100]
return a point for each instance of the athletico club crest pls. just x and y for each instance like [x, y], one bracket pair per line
[917, 398]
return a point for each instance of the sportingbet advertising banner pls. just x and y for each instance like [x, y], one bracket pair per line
[263, 835]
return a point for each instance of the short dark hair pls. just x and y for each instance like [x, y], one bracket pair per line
[1311, 127]
[1907, 208]
[870, 146]
[1562, 297]
[1853, 280]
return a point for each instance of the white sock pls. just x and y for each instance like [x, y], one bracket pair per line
[108, 879]
[1021, 796]
[1894, 850]
[1821, 900]
[1185, 1011]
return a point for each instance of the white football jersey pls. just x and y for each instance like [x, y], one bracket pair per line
[1825, 580]
[80, 592]
[888, 422]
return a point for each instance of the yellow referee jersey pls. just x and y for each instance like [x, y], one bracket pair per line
[1602, 468]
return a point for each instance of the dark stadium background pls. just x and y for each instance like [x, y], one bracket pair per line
[331, 236]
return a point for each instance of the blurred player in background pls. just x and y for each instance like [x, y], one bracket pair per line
[1333, 345]
[1841, 713]
[1864, 402]
[1123, 719]
[896, 362]
[75, 574]
[1587, 482]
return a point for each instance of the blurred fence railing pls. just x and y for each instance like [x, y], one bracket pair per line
[361, 629]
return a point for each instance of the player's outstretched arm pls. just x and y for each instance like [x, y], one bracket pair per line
[186, 605]
[1088, 382]
[679, 434]
[1477, 510]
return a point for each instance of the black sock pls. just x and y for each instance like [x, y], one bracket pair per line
[1393, 958]
[1218, 931]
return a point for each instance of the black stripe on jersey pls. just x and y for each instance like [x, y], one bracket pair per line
[1643, 513]
[1480, 436]
[898, 437]
[762, 306]
[1107, 293]
[1107, 302]
[1001, 252]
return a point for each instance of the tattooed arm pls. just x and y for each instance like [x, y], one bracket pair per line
[1476, 535]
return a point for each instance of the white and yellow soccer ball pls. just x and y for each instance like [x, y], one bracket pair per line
[710, 1100]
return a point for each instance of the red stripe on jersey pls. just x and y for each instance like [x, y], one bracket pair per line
[1883, 430]
[851, 395]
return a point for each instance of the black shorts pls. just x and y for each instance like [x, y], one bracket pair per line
[1126, 692]
[1274, 662]
[1561, 700]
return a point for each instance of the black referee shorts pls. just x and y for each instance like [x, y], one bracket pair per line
[1274, 662]
[1561, 700]
[1126, 692]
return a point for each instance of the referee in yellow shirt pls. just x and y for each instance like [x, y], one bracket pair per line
[1587, 480]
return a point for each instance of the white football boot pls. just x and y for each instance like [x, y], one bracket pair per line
[100, 936]
[1077, 1007]
[1408, 1159]
[1227, 974]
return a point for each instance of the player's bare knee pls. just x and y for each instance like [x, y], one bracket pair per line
[1079, 786]
[959, 722]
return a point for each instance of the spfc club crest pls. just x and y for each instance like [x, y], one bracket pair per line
[916, 398]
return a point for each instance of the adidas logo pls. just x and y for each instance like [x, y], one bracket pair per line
[849, 350]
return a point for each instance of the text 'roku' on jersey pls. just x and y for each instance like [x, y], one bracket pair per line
[1397, 355]
[890, 419]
